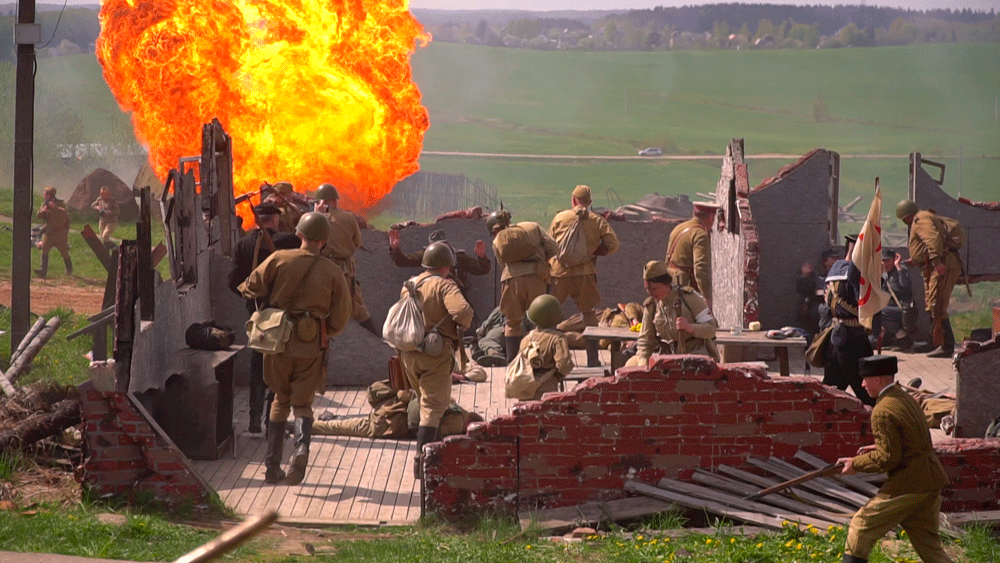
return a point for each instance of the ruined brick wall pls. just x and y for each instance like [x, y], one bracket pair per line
[127, 456]
[791, 214]
[735, 254]
[645, 423]
[981, 225]
[682, 413]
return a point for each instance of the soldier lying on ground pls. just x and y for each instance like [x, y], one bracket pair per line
[395, 414]
[489, 349]
[623, 315]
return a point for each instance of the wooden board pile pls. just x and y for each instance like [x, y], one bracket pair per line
[26, 351]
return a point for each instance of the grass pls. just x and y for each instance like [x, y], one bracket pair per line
[59, 361]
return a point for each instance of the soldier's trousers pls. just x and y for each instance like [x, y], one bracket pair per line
[516, 295]
[430, 376]
[294, 382]
[583, 290]
[107, 227]
[937, 291]
[917, 513]
[359, 425]
[359, 311]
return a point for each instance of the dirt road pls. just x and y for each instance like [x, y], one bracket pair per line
[73, 293]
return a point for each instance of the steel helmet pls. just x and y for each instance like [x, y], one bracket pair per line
[545, 311]
[438, 255]
[326, 191]
[314, 226]
[498, 221]
[905, 207]
[283, 188]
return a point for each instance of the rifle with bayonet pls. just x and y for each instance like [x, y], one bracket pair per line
[821, 472]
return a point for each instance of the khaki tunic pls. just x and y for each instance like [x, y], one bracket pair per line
[108, 209]
[56, 226]
[298, 372]
[911, 496]
[521, 282]
[927, 249]
[554, 359]
[580, 282]
[429, 375]
[659, 332]
[343, 242]
[689, 257]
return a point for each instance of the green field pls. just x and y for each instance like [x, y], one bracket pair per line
[936, 99]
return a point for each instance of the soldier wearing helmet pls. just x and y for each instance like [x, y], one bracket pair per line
[931, 250]
[524, 250]
[53, 212]
[252, 249]
[448, 313]
[107, 209]
[675, 320]
[579, 281]
[344, 241]
[554, 361]
[312, 291]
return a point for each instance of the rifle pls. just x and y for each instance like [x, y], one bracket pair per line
[821, 472]
[259, 193]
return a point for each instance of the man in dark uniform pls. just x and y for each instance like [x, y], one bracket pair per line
[314, 294]
[810, 289]
[250, 251]
[689, 250]
[465, 265]
[849, 339]
[899, 317]
[345, 240]
[911, 496]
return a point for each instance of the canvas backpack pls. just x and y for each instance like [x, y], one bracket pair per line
[520, 380]
[953, 232]
[573, 249]
[404, 323]
[514, 244]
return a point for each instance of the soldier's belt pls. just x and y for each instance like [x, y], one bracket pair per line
[847, 322]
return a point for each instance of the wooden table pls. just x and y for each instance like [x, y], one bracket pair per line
[757, 338]
[745, 338]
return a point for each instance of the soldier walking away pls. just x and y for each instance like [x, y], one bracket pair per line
[446, 311]
[689, 250]
[554, 361]
[251, 250]
[345, 240]
[936, 254]
[911, 496]
[675, 320]
[314, 294]
[579, 281]
[53, 212]
[848, 339]
[524, 250]
[107, 209]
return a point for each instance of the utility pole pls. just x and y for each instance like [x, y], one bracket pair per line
[26, 34]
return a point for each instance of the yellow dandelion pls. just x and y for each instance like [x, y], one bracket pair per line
[639, 538]
[708, 541]
[527, 546]
[732, 540]
[760, 544]
[799, 546]
[789, 544]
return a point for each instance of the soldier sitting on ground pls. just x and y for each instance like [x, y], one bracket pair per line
[554, 360]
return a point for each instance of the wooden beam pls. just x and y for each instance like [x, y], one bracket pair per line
[813, 486]
[591, 513]
[97, 247]
[835, 488]
[39, 323]
[797, 493]
[742, 489]
[991, 517]
[31, 350]
[863, 487]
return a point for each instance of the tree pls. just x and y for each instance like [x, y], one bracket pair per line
[720, 31]
[482, 30]
[611, 33]
[764, 27]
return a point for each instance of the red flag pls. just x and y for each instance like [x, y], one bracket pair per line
[867, 256]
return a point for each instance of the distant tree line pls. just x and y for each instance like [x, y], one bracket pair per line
[76, 33]
[732, 26]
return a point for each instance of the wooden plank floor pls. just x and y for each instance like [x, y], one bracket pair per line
[362, 481]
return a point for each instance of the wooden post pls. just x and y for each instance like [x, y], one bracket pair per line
[31, 350]
[27, 338]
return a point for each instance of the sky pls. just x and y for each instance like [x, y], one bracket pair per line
[544, 5]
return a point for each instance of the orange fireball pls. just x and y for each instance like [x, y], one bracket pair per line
[311, 91]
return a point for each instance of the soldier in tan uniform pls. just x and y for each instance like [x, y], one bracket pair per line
[689, 250]
[107, 209]
[53, 212]
[675, 320]
[313, 291]
[527, 249]
[444, 307]
[345, 240]
[284, 196]
[554, 361]
[911, 496]
[622, 315]
[580, 281]
[941, 267]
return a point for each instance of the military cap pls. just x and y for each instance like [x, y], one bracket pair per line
[654, 269]
[582, 193]
[888, 254]
[266, 208]
[283, 188]
[849, 239]
[877, 366]
[437, 235]
[706, 207]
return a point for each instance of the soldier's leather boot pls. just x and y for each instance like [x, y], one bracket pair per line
[425, 435]
[948, 348]
[275, 446]
[511, 346]
[593, 355]
[256, 408]
[369, 325]
[300, 455]
[848, 558]
[69, 266]
[43, 270]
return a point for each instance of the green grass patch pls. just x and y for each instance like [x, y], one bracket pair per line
[59, 361]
